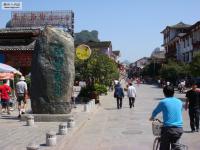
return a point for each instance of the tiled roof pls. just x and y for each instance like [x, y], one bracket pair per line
[102, 44]
[17, 47]
[117, 53]
[180, 25]
[18, 30]
[194, 25]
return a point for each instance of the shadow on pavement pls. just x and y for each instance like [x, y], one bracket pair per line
[110, 108]
[6, 117]
[43, 144]
[187, 132]
[156, 87]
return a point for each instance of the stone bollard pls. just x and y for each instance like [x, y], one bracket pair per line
[32, 146]
[89, 105]
[86, 108]
[63, 129]
[71, 123]
[30, 120]
[51, 138]
[93, 102]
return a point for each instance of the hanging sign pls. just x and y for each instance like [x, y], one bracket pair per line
[83, 52]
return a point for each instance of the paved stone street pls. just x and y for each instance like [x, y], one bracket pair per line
[126, 129]
[16, 135]
[106, 128]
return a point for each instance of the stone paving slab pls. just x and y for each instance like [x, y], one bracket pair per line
[126, 128]
[16, 135]
[106, 128]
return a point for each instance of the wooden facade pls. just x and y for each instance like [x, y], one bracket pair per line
[17, 47]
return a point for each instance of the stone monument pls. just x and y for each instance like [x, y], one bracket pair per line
[52, 74]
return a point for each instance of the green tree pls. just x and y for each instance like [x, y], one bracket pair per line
[151, 70]
[98, 68]
[173, 70]
[195, 65]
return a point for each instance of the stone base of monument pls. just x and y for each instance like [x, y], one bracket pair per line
[48, 117]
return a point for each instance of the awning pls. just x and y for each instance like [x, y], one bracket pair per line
[4, 68]
[6, 76]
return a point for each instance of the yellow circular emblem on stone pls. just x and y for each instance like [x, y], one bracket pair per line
[83, 52]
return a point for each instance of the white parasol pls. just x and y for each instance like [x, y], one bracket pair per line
[8, 69]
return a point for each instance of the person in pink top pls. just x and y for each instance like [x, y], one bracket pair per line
[5, 91]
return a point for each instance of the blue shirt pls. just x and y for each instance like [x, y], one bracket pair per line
[171, 109]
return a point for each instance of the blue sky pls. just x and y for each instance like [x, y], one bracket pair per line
[133, 26]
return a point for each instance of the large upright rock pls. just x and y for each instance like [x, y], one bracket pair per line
[52, 73]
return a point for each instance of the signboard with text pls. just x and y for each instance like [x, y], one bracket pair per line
[83, 52]
[63, 19]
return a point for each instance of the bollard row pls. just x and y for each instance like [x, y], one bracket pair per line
[51, 139]
[89, 106]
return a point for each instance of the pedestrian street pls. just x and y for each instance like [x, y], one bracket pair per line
[126, 129]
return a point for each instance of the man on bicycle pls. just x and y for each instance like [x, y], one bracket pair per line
[171, 109]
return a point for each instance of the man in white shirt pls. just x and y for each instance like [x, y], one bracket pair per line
[131, 95]
[21, 91]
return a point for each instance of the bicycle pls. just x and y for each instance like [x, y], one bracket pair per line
[156, 129]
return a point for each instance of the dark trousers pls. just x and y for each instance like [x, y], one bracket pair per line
[194, 118]
[119, 102]
[131, 101]
[170, 136]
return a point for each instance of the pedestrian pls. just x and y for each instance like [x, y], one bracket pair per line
[21, 93]
[131, 95]
[168, 83]
[138, 81]
[172, 129]
[5, 90]
[74, 95]
[116, 82]
[193, 103]
[119, 95]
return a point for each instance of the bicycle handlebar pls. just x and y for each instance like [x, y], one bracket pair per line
[157, 120]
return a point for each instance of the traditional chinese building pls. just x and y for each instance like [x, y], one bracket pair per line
[17, 43]
[182, 41]
[169, 38]
[17, 46]
[116, 55]
[104, 47]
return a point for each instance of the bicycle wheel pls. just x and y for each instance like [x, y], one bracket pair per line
[156, 143]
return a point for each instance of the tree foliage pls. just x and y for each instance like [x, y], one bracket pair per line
[151, 70]
[195, 65]
[85, 36]
[173, 70]
[97, 69]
